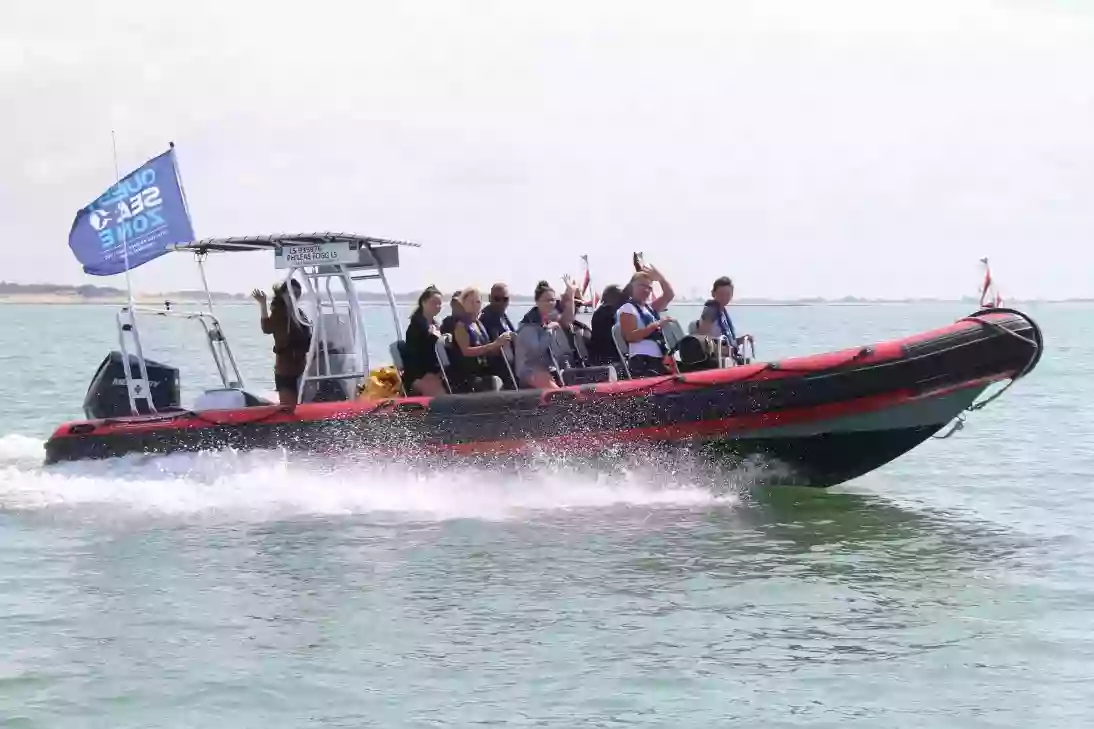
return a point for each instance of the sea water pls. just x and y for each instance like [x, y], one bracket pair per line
[952, 588]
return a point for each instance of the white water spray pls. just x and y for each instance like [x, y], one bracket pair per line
[264, 486]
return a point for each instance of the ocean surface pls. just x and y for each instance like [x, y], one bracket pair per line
[952, 588]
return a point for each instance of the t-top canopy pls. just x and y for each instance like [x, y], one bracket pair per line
[273, 242]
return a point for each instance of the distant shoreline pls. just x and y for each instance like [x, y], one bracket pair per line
[371, 300]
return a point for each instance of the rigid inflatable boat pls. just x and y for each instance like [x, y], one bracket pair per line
[825, 418]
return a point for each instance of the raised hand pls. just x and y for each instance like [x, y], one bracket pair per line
[259, 295]
[653, 273]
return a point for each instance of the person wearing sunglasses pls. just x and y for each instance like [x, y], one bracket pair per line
[494, 316]
[496, 322]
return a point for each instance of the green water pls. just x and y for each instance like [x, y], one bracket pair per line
[953, 588]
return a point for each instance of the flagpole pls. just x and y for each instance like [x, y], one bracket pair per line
[134, 388]
[186, 206]
[125, 243]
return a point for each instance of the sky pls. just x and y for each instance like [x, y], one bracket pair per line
[845, 147]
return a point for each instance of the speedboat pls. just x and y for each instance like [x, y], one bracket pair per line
[823, 419]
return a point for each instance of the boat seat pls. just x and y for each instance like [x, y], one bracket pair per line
[581, 346]
[621, 348]
[563, 355]
[227, 398]
[693, 327]
[397, 349]
[559, 348]
[566, 351]
[440, 351]
[674, 334]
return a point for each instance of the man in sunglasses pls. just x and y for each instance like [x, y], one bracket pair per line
[496, 322]
[493, 315]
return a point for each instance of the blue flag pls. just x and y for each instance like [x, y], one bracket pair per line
[144, 213]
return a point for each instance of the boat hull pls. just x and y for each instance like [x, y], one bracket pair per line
[817, 421]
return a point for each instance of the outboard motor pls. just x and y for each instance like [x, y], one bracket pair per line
[107, 396]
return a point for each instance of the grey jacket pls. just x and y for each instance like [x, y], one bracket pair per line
[533, 350]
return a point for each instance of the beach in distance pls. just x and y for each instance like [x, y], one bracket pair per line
[11, 293]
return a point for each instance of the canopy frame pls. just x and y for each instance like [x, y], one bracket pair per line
[349, 258]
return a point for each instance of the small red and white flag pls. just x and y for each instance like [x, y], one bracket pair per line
[989, 295]
[585, 283]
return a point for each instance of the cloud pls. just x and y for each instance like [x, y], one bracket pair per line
[804, 148]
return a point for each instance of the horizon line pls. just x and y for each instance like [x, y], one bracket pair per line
[91, 292]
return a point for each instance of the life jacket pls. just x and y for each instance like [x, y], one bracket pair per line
[476, 332]
[533, 317]
[647, 316]
[506, 324]
[725, 322]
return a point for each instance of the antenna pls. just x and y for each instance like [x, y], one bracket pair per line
[200, 257]
[125, 243]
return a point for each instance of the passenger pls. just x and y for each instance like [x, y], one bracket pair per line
[292, 339]
[473, 345]
[715, 320]
[641, 322]
[494, 316]
[496, 321]
[448, 324]
[601, 344]
[533, 346]
[421, 371]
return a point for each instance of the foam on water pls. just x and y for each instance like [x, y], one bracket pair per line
[260, 486]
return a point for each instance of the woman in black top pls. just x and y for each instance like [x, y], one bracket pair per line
[421, 371]
[601, 345]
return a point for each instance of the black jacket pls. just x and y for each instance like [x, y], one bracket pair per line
[496, 322]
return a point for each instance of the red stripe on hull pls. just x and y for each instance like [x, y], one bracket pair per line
[732, 426]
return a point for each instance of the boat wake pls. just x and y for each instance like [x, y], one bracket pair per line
[261, 486]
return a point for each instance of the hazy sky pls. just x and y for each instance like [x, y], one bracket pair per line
[805, 148]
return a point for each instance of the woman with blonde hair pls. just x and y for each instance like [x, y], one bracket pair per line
[473, 344]
[641, 318]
